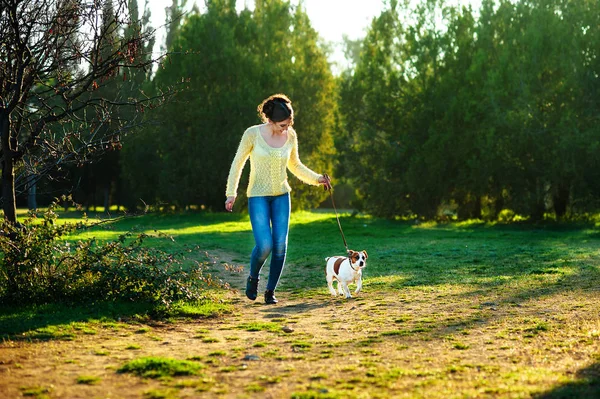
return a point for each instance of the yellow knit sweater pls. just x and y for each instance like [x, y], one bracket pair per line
[268, 175]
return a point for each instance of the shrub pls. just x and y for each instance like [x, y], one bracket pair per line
[39, 266]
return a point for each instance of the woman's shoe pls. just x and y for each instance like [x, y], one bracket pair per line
[270, 297]
[252, 287]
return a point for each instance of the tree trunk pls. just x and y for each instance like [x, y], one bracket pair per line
[470, 208]
[537, 211]
[106, 198]
[9, 203]
[498, 205]
[560, 200]
[476, 212]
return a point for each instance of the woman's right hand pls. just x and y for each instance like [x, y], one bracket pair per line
[229, 203]
[325, 180]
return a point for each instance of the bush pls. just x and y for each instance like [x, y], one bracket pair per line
[39, 266]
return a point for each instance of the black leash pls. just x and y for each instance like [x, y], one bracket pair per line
[330, 188]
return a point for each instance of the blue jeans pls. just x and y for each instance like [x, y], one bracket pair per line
[270, 218]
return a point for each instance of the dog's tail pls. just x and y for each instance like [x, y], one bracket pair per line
[327, 259]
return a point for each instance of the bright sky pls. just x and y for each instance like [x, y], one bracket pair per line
[331, 18]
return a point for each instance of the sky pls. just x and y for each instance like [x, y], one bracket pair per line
[331, 18]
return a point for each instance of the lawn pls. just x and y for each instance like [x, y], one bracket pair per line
[455, 310]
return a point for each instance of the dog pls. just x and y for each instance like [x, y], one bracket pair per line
[345, 270]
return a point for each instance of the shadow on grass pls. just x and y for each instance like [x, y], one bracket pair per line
[54, 321]
[299, 308]
[586, 279]
[586, 386]
[421, 256]
[508, 264]
[158, 221]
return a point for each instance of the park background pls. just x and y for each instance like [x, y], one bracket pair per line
[442, 111]
[463, 145]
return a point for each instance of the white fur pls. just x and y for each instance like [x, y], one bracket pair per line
[350, 271]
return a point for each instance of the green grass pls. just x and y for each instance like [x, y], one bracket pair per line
[156, 367]
[161, 394]
[466, 309]
[36, 392]
[260, 326]
[63, 322]
[58, 321]
[401, 254]
[88, 380]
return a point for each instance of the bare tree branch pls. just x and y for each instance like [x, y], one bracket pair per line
[62, 68]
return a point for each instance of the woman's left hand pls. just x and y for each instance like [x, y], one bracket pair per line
[325, 181]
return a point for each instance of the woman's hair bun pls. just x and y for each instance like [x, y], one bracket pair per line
[267, 109]
[277, 107]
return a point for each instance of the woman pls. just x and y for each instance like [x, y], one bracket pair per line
[272, 147]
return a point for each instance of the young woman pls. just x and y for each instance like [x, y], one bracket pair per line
[272, 148]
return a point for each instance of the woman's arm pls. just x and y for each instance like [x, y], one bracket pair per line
[298, 168]
[237, 166]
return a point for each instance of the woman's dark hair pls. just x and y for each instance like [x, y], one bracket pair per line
[276, 108]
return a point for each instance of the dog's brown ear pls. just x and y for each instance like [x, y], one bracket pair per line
[365, 252]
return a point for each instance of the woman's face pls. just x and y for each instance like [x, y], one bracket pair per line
[280, 127]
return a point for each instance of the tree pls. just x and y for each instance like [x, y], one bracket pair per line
[236, 60]
[103, 182]
[100, 175]
[51, 114]
[495, 113]
[174, 16]
[137, 159]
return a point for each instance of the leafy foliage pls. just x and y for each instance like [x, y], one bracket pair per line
[39, 266]
[232, 61]
[474, 116]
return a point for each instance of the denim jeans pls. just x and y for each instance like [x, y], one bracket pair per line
[270, 219]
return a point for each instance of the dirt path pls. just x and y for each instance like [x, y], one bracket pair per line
[255, 351]
[225, 345]
[417, 342]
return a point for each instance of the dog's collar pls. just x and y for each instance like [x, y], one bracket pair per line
[350, 263]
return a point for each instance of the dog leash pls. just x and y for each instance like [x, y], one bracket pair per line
[329, 188]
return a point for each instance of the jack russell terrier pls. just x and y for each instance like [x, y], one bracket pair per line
[345, 270]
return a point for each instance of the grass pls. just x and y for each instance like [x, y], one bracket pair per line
[161, 394]
[401, 254]
[36, 392]
[155, 367]
[467, 309]
[88, 380]
[260, 326]
[63, 322]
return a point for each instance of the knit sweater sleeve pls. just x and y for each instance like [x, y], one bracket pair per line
[237, 166]
[298, 168]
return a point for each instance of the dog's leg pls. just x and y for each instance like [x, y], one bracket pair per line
[358, 285]
[346, 290]
[340, 288]
[330, 285]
